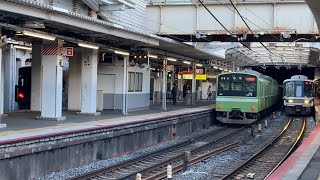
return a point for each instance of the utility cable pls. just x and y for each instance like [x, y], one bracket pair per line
[253, 32]
[229, 32]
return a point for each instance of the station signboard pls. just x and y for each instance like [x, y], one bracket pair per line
[170, 67]
[200, 77]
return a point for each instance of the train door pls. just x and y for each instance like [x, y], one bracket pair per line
[298, 89]
[106, 83]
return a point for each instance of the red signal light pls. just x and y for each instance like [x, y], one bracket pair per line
[20, 95]
[252, 108]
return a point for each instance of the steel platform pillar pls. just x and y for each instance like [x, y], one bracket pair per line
[193, 90]
[36, 76]
[164, 85]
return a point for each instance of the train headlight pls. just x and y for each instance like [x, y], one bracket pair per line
[290, 101]
[306, 101]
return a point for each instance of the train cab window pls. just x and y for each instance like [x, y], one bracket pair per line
[299, 89]
[289, 89]
[237, 85]
[308, 89]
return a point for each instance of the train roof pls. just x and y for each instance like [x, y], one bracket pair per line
[252, 72]
[298, 78]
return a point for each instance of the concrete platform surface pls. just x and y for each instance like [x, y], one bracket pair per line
[304, 163]
[22, 125]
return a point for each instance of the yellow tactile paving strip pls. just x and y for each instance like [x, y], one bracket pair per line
[145, 116]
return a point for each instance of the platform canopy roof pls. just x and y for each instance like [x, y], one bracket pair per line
[275, 54]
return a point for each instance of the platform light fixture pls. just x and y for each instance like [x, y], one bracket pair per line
[230, 70]
[171, 59]
[220, 68]
[153, 56]
[186, 62]
[38, 35]
[215, 67]
[200, 65]
[122, 52]
[225, 70]
[22, 47]
[88, 46]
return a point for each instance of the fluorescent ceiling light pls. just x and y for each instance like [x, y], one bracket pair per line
[153, 56]
[88, 46]
[221, 69]
[38, 35]
[230, 71]
[215, 67]
[122, 52]
[226, 70]
[199, 65]
[171, 59]
[22, 47]
[186, 62]
[153, 69]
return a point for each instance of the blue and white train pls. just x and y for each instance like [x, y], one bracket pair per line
[298, 95]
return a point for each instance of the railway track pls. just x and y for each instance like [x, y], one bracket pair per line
[263, 163]
[153, 165]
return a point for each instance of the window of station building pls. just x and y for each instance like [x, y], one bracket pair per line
[135, 81]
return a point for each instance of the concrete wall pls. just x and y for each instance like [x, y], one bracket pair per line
[38, 158]
[110, 80]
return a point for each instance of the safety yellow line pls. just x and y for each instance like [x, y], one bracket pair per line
[6, 133]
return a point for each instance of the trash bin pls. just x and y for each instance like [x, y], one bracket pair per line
[198, 95]
[188, 100]
[99, 100]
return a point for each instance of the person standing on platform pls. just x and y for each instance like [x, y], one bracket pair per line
[184, 93]
[209, 93]
[174, 94]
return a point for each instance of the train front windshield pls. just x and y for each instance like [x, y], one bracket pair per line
[298, 89]
[237, 85]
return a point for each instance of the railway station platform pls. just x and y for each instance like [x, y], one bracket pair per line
[21, 121]
[304, 162]
[80, 140]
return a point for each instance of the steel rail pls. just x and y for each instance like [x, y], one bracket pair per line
[250, 162]
[161, 151]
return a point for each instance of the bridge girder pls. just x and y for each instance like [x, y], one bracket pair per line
[270, 21]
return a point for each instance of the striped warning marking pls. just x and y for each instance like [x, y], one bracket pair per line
[51, 50]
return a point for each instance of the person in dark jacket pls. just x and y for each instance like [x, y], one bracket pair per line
[184, 93]
[174, 94]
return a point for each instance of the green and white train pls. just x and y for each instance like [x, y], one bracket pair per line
[243, 97]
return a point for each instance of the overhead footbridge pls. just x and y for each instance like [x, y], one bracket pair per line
[269, 20]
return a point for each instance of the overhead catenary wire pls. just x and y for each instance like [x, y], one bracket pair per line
[289, 43]
[247, 26]
[229, 32]
[252, 31]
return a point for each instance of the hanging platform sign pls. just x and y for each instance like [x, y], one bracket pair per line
[170, 67]
[200, 77]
